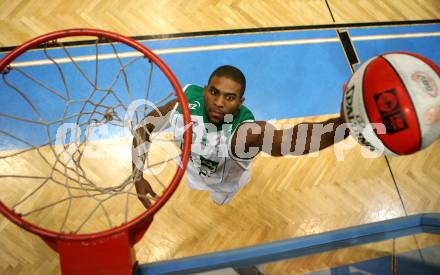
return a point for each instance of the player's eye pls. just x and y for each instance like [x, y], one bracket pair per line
[230, 97]
[213, 91]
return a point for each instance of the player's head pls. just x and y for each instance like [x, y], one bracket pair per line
[224, 93]
[232, 73]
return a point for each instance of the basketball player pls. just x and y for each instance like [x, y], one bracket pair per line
[226, 137]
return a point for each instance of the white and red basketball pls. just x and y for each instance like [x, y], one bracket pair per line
[400, 91]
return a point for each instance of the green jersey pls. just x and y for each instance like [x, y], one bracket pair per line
[212, 165]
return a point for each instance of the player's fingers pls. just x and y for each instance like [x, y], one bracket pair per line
[344, 87]
[151, 192]
[146, 202]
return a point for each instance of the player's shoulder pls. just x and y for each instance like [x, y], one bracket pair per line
[194, 96]
[193, 91]
[244, 115]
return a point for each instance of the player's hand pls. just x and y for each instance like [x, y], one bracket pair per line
[341, 114]
[143, 188]
[341, 111]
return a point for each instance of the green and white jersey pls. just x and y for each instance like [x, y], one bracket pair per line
[212, 166]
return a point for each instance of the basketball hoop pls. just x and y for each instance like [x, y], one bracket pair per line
[107, 251]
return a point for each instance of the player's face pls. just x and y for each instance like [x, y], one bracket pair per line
[222, 96]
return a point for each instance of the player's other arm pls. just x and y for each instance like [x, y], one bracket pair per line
[141, 140]
[303, 138]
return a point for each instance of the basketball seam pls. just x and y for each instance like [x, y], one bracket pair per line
[365, 108]
[421, 58]
[410, 99]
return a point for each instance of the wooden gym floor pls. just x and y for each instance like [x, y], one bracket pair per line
[290, 196]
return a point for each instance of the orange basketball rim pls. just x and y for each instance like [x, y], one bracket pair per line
[109, 251]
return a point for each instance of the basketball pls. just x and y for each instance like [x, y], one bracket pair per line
[392, 103]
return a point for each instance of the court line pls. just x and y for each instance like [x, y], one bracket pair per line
[258, 30]
[227, 47]
[394, 36]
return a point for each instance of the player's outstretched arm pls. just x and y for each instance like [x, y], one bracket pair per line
[303, 138]
[140, 145]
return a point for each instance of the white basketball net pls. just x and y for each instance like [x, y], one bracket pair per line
[65, 158]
